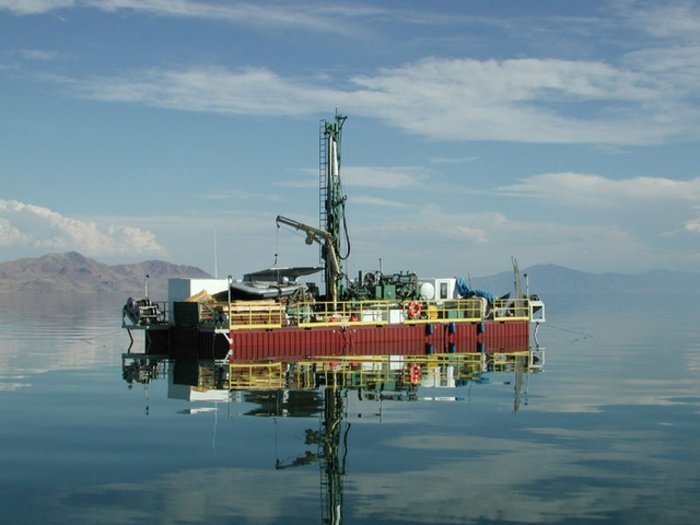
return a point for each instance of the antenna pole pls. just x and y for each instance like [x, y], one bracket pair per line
[216, 258]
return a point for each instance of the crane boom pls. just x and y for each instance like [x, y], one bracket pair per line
[316, 235]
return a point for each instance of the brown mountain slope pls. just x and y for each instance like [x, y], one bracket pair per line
[73, 272]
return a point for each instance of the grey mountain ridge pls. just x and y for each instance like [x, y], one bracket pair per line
[73, 272]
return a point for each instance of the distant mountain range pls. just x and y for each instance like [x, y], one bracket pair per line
[73, 272]
[550, 278]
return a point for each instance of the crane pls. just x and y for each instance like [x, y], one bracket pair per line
[324, 238]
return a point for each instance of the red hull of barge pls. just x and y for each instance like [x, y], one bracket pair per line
[299, 343]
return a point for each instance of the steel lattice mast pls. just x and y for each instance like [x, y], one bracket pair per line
[331, 199]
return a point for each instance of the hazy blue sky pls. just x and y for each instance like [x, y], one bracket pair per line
[553, 131]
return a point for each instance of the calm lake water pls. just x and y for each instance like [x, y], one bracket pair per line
[607, 431]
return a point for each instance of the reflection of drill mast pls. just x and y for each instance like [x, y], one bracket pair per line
[329, 440]
[332, 467]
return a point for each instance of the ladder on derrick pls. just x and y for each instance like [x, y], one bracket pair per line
[323, 188]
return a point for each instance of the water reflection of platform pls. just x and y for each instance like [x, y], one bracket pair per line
[320, 388]
[206, 379]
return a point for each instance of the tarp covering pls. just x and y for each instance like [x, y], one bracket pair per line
[276, 274]
[464, 290]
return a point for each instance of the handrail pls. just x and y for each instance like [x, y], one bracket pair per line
[363, 372]
[242, 316]
[374, 312]
[251, 376]
[511, 309]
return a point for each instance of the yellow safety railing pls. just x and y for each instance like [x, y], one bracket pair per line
[387, 312]
[371, 371]
[471, 310]
[263, 314]
[249, 376]
[511, 309]
[246, 315]
[503, 362]
[351, 373]
[345, 313]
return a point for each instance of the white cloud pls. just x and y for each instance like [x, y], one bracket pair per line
[438, 241]
[638, 223]
[594, 190]
[373, 177]
[390, 177]
[376, 177]
[9, 234]
[33, 7]
[313, 17]
[649, 96]
[693, 226]
[38, 54]
[252, 91]
[377, 201]
[453, 160]
[27, 226]
[526, 100]
[675, 20]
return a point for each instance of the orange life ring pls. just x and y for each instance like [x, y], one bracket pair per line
[414, 309]
[415, 373]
